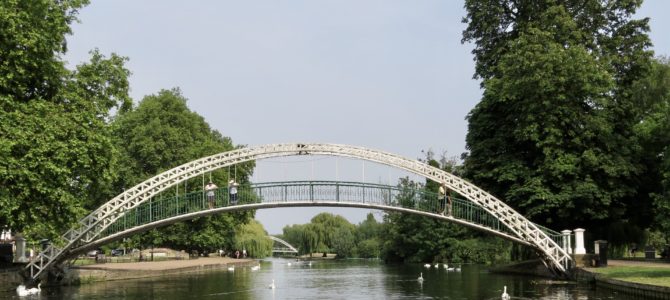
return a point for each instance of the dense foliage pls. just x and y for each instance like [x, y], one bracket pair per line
[56, 147]
[253, 238]
[325, 233]
[162, 133]
[70, 139]
[653, 131]
[414, 238]
[400, 237]
[554, 133]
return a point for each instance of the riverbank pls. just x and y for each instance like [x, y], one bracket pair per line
[135, 270]
[647, 279]
[533, 267]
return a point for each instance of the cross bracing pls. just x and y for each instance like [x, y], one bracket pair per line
[287, 249]
[91, 226]
[168, 210]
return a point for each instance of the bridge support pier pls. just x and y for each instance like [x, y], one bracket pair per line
[567, 241]
[20, 249]
[579, 241]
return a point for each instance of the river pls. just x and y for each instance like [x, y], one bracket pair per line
[350, 279]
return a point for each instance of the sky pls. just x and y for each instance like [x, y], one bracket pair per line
[383, 74]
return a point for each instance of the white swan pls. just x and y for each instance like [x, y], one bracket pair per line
[458, 269]
[231, 268]
[310, 264]
[256, 268]
[420, 279]
[35, 291]
[272, 285]
[22, 291]
[288, 264]
[427, 266]
[446, 266]
[437, 265]
[504, 296]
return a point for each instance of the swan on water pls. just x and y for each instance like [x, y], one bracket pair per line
[437, 265]
[272, 285]
[420, 279]
[458, 269]
[427, 266]
[231, 268]
[22, 291]
[288, 264]
[504, 296]
[446, 266]
[256, 268]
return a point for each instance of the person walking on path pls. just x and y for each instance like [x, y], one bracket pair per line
[232, 190]
[210, 189]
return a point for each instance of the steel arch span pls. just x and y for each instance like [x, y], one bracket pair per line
[289, 248]
[89, 227]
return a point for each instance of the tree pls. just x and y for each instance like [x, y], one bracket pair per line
[162, 133]
[653, 132]
[294, 235]
[553, 133]
[325, 233]
[253, 238]
[55, 145]
[368, 238]
[343, 242]
[414, 238]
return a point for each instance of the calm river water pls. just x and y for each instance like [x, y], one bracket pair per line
[353, 279]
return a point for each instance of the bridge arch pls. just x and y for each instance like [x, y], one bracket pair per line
[89, 227]
[290, 247]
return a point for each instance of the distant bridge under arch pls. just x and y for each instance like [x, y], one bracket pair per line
[499, 218]
[288, 248]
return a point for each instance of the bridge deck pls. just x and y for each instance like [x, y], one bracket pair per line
[167, 206]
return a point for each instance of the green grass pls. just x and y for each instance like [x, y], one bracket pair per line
[647, 275]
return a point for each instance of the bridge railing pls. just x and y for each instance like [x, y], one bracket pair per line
[166, 205]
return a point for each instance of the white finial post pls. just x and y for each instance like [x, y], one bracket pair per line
[567, 245]
[579, 241]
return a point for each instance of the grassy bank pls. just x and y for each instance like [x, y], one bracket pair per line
[639, 274]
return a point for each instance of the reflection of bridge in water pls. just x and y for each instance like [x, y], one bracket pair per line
[287, 247]
[144, 206]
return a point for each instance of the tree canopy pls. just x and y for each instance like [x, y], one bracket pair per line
[161, 133]
[56, 148]
[553, 134]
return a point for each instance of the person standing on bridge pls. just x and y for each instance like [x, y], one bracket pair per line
[449, 203]
[442, 197]
[210, 189]
[232, 191]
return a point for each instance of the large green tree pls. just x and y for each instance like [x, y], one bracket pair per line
[55, 143]
[553, 134]
[653, 131]
[368, 238]
[160, 134]
[253, 238]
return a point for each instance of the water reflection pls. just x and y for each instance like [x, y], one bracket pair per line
[355, 279]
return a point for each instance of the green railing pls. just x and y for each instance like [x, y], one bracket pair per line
[169, 205]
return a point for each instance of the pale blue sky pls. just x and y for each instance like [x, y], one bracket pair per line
[389, 75]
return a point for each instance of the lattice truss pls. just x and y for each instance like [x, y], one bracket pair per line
[89, 227]
[283, 242]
